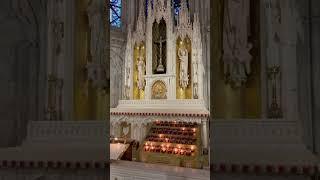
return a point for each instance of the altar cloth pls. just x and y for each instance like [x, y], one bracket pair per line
[117, 150]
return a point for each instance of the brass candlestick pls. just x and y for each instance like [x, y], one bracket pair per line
[274, 110]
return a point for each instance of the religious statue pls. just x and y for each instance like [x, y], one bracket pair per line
[195, 79]
[183, 58]
[127, 84]
[91, 71]
[128, 64]
[96, 29]
[141, 69]
[274, 16]
[236, 57]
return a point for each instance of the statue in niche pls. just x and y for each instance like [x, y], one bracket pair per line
[159, 47]
[195, 79]
[96, 27]
[274, 38]
[183, 59]
[141, 69]
[96, 67]
[127, 86]
[236, 57]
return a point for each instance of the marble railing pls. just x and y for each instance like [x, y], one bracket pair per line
[185, 103]
[67, 131]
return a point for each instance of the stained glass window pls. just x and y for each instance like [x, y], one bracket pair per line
[147, 3]
[177, 6]
[115, 13]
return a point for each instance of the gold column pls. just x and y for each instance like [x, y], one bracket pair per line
[139, 49]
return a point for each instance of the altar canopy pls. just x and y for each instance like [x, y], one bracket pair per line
[163, 58]
[117, 150]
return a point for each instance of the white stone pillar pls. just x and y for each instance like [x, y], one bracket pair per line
[133, 131]
[149, 23]
[118, 130]
[289, 60]
[204, 133]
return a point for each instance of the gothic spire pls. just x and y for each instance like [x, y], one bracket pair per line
[184, 5]
[149, 7]
[140, 29]
[141, 9]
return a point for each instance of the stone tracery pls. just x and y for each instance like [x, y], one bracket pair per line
[168, 72]
[191, 69]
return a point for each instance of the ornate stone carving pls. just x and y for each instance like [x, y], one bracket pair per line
[58, 32]
[160, 10]
[236, 57]
[184, 27]
[96, 64]
[128, 64]
[96, 27]
[197, 64]
[159, 90]
[95, 74]
[273, 12]
[160, 67]
[183, 61]
[144, 120]
[140, 34]
[274, 109]
[141, 70]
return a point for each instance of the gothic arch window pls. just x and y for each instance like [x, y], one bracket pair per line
[115, 13]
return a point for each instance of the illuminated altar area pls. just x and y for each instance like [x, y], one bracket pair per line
[163, 105]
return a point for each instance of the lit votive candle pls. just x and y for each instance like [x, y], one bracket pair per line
[175, 150]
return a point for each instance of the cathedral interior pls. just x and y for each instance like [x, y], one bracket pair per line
[160, 89]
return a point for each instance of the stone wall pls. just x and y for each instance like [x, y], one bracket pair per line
[22, 54]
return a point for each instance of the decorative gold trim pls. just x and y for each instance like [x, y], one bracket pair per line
[139, 49]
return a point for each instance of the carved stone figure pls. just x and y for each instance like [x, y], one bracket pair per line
[128, 62]
[96, 29]
[141, 68]
[127, 84]
[195, 79]
[183, 58]
[274, 13]
[236, 47]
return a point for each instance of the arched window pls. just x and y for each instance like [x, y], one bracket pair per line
[115, 13]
